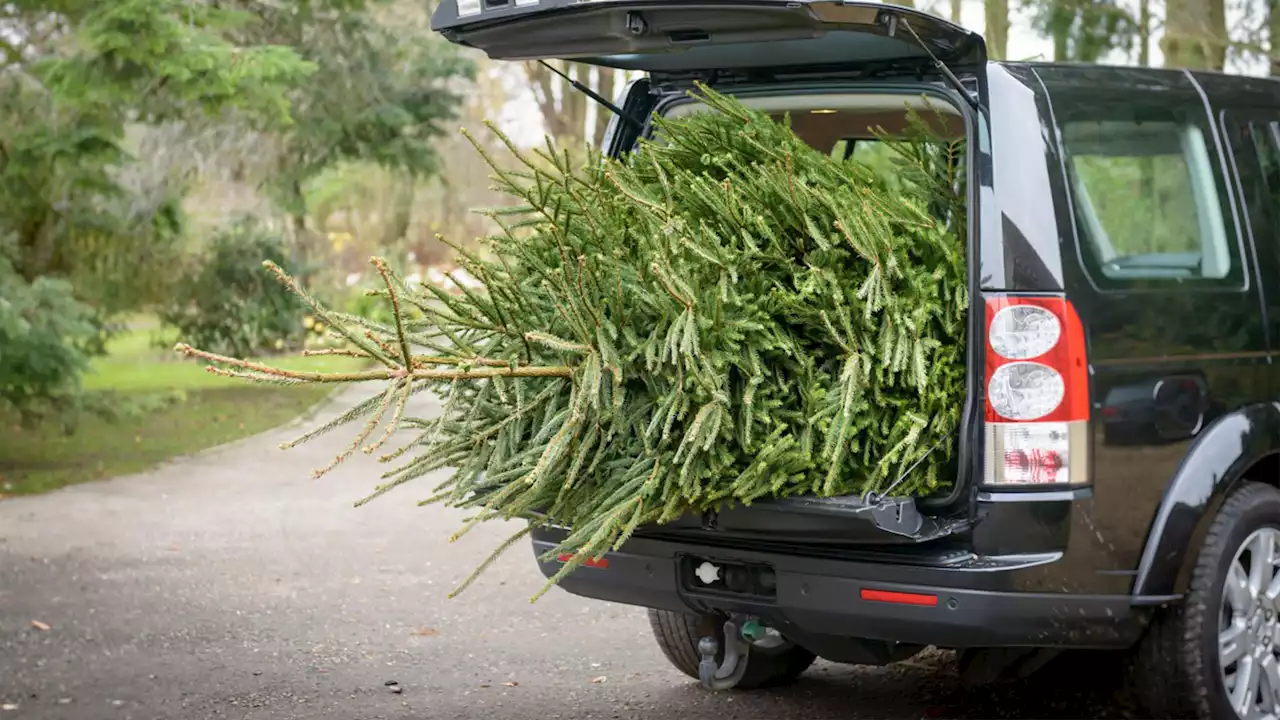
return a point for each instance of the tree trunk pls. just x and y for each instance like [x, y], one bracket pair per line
[36, 247]
[397, 227]
[604, 86]
[1061, 49]
[955, 11]
[1144, 32]
[303, 238]
[575, 106]
[544, 84]
[997, 31]
[1195, 34]
[905, 3]
[1218, 33]
[564, 109]
[1273, 31]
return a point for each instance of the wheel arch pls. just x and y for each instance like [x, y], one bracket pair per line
[1241, 446]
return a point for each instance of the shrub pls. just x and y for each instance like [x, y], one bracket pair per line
[227, 302]
[45, 337]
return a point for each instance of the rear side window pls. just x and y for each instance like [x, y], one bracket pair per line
[1266, 142]
[1148, 197]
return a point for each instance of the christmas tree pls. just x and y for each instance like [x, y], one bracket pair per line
[723, 315]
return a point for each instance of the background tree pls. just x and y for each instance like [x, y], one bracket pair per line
[382, 91]
[1273, 33]
[1144, 33]
[1083, 30]
[997, 28]
[1195, 34]
[565, 109]
[73, 78]
[74, 75]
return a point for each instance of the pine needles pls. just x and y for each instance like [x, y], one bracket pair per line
[722, 316]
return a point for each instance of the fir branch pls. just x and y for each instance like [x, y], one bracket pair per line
[389, 374]
[324, 314]
[831, 360]
[381, 266]
[383, 403]
[493, 556]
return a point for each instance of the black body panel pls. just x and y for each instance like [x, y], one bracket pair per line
[1218, 459]
[661, 35]
[1020, 185]
[1170, 359]
[817, 597]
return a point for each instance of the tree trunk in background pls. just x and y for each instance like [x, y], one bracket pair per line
[574, 105]
[905, 3]
[1273, 31]
[302, 242]
[605, 82]
[1219, 39]
[1144, 33]
[1195, 33]
[397, 226]
[564, 109]
[544, 84]
[1061, 49]
[955, 11]
[997, 30]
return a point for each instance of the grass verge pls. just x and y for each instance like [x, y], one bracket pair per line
[209, 411]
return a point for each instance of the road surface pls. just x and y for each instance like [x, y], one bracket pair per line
[232, 585]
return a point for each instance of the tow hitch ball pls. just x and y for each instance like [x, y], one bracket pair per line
[739, 632]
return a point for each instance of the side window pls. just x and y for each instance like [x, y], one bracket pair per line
[1266, 143]
[1150, 205]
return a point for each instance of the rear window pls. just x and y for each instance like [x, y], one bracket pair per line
[1148, 198]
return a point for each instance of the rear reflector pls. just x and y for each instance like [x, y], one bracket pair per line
[899, 598]
[601, 563]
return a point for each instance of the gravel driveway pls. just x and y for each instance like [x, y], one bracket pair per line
[232, 585]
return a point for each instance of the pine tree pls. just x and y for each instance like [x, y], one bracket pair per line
[723, 315]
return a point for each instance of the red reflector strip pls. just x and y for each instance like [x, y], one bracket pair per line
[900, 598]
[602, 563]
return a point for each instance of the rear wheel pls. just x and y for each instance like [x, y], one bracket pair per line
[1216, 655]
[771, 662]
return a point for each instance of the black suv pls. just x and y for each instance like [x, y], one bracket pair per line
[1116, 476]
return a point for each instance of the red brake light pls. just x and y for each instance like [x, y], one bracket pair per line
[1036, 393]
[1028, 382]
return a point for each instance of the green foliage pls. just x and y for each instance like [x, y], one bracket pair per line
[723, 316]
[44, 338]
[170, 58]
[1083, 30]
[370, 306]
[73, 75]
[380, 93]
[228, 305]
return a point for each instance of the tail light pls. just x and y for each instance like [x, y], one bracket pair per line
[1037, 394]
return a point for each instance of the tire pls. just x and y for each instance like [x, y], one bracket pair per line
[1178, 671]
[678, 634]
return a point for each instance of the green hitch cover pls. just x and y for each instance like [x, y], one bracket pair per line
[752, 630]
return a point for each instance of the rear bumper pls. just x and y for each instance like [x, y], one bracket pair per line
[824, 597]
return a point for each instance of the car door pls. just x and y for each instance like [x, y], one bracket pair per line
[1253, 134]
[1162, 276]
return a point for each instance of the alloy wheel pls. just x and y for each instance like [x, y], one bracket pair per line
[1249, 627]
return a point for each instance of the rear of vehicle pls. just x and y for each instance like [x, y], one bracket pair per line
[1005, 556]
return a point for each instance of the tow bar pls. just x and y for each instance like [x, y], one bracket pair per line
[739, 633]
